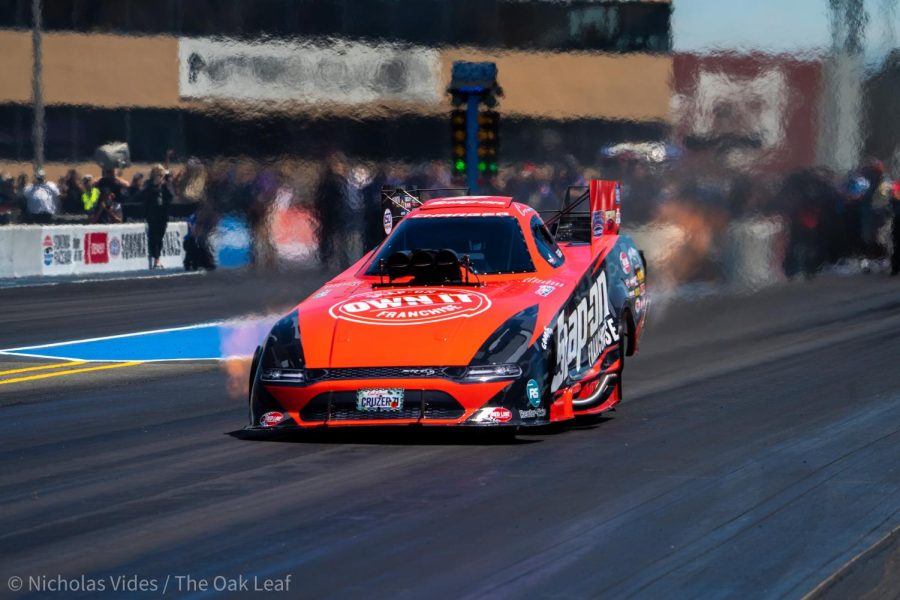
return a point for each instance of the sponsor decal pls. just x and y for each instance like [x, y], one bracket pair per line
[533, 393]
[640, 275]
[411, 306]
[523, 209]
[326, 289]
[388, 221]
[618, 194]
[493, 414]
[632, 282]
[48, 250]
[62, 249]
[545, 290]
[597, 223]
[584, 331]
[77, 250]
[379, 400]
[172, 244]
[337, 284]
[626, 264]
[115, 246]
[533, 413]
[467, 202]
[95, 248]
[546, 337]
[134, 245]
[635, 257]
[612, 217]
[543, 281]
[468, 214]
[419, 372]
[271, 419]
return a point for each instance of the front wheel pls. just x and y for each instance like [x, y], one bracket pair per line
[253, 366]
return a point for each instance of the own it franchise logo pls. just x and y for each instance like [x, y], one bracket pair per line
[410, 306]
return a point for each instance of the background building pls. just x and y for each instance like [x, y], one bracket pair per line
[266, 78]
[753, 110]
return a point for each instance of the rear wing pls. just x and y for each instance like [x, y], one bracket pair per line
[588, 212]
[397, 202]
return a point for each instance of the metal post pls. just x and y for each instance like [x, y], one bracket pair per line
[840, 133]
[472, 142]
[38, 127]
[474, 82]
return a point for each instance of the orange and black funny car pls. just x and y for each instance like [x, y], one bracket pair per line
[469, 313]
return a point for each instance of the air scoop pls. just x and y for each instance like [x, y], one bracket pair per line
[425, 267]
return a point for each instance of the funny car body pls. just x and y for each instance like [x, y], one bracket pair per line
[469, 313]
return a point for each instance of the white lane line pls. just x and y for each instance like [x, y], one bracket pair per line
[238, 322]
[114, 337]
[5, 284]
[122, 360]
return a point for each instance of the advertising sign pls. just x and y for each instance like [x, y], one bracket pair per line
[32, 250]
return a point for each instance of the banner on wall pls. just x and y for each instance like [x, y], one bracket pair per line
[34, 250]
[337, 72]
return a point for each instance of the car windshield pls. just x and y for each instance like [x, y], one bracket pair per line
[494, 244]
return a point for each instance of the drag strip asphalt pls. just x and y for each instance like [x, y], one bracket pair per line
[756, 454]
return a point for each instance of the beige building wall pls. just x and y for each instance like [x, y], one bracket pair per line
[560, 86]
[130, 71]
[95, 70]
[55, 170]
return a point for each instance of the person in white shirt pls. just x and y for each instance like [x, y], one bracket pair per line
[41, 198]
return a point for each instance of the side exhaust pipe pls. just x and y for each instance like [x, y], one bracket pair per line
[607, 382]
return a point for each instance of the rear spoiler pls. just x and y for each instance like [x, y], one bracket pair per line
[397, 202]
[575, 222]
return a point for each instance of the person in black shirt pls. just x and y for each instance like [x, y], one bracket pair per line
[156, 197]
[137, 182]
[332, 212]
[111, 183]
[72, 195]
[8, 201]
[107, 210]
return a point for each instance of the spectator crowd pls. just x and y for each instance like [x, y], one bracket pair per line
[82, 199]
[826, 218]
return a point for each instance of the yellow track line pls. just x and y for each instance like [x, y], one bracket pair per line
[43, 367]
[70, 372]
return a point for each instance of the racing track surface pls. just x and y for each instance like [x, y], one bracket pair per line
[757, 454]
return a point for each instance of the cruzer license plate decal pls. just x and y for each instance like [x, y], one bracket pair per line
[377, 400]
